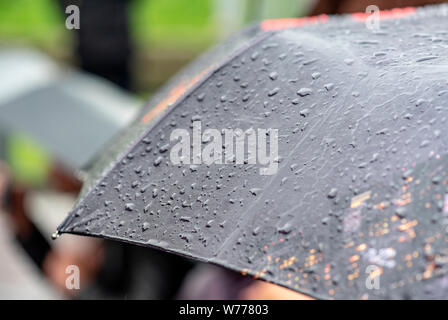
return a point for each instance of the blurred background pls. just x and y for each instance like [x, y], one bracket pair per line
[64, 94]
[165, 35]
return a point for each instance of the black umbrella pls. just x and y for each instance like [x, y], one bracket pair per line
[343, 195]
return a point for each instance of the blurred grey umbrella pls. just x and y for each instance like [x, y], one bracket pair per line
[71, 114]
[357, 206]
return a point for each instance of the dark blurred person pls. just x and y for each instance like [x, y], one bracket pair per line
[103, 41]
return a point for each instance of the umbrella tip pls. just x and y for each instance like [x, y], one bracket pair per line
[55, 235]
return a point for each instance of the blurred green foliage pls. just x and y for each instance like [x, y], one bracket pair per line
[36, 21]
[28, 162]
[158, 22]
[172, 22]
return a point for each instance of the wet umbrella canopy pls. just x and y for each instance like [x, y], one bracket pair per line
[356, 203]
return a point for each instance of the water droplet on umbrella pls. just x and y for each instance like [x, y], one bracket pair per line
[419, 102]
[157, 161]
[129, 206]
[304, 112]
[256, 231]
[145, 226]
[401, 212]
[329, 86]
[164, 148]
[200, 97]
[304, 92]
[349, 62]
[273, 92]
[255, 191]
[332, 194]
[315, 75]
[254, 56]
[273, 75]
